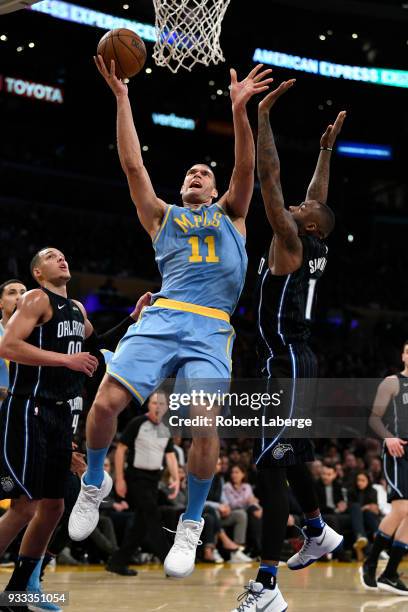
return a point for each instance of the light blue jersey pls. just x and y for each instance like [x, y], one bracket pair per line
[186, 332]
[201, 257]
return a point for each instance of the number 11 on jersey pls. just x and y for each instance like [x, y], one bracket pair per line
[195, 256]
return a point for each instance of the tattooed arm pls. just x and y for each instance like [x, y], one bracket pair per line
[319, 185]
[286, 241]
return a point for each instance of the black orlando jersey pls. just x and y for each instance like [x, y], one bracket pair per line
[63, 333]
[285, 304]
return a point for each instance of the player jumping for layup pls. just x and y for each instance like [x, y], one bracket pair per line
[389, 419]
[200, 252]
[288, 274]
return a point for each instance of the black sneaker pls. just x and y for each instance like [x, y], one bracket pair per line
[392, 585]
[367, 577]
[122, 570]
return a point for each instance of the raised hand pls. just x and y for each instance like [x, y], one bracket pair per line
[118, 87]
[254, 83]
[329, 137]
[141, 303]
[269, 100]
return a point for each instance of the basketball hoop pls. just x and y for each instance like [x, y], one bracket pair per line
[188, 32]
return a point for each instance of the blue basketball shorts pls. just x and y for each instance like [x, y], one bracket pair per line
[173, 339]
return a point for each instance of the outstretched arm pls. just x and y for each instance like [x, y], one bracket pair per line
[282, 223]
[111, 338]
[319, 185]
[149, 207]
[238, 197]
[31, 310]
[387, 389]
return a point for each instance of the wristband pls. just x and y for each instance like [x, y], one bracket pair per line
[326, 149]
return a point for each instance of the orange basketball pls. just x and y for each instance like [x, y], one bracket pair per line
[126, 48]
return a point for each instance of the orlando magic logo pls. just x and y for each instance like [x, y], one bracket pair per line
[280, 450]
[7, 484]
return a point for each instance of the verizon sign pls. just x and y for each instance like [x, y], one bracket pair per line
[28, 89]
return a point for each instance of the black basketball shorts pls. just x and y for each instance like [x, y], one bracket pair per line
[295, 368]
[35, 448]
[396, 474]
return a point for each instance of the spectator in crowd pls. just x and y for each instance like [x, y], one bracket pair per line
[316, 468]
[332, 503]
[238, 494]
[364, 511]
[375, 470]
[146, 441]
[331, 498]
[332, 453]
[339, 473]
[234, 455]
[225, 466]
[247, 463]
[228, 517]
[178, 449]
[349, 468]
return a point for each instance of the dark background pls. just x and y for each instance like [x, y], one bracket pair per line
[61, 182]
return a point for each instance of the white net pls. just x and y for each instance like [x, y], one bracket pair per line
[188, 32]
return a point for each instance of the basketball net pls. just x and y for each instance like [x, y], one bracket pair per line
[188, 32]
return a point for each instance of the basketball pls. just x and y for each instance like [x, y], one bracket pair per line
[126, 48]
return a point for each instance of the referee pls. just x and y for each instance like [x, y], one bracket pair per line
[145, 441]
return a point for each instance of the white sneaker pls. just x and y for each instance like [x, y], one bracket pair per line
[217, 557]
[314, 548]
[85, 514]
[180, 560]
[238, 556]
[259, 599]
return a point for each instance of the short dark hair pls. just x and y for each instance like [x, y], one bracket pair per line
[8, 282]
[403, 346]
[36, 260]
[210, 169]
[329, 464]
[327, 220]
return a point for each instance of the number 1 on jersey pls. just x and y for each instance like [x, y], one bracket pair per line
[195, 256]
[310, 297]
